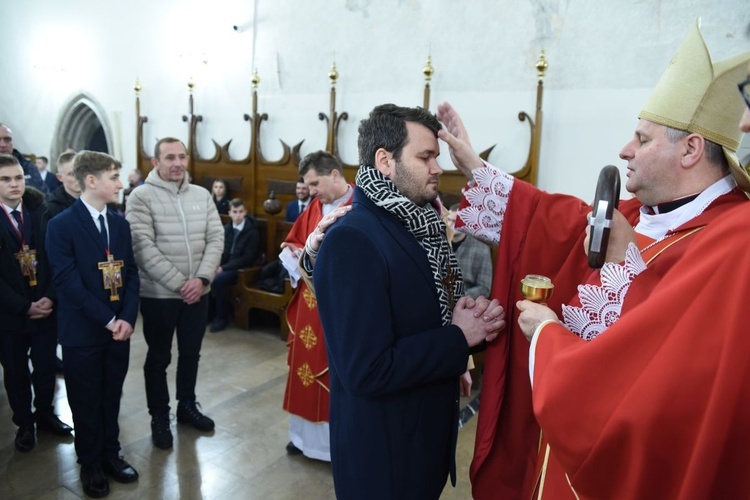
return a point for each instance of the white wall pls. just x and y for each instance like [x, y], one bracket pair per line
[604, 56]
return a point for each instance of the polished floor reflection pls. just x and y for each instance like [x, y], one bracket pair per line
[240, 385]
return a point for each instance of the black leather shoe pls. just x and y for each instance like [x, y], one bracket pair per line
[161, 434]
[189, 412]
[119, 470]
[50, 422]
[25, 439]
[292, 450]
[94, 482]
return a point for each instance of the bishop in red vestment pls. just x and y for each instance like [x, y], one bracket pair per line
[658, 405]
[540, 233]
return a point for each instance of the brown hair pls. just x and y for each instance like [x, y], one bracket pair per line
[8, 160]
[167, 140]
[236, 203]
[322, 162]
[65, 158]
[93, 163]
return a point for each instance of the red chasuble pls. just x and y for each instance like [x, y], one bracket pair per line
[661, 257]
[307, 386]
[658, 405]
[542, 233]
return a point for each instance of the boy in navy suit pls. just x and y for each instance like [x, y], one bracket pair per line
[94, 270]
[26, 307]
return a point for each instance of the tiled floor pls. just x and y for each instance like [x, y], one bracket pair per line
[240, 385]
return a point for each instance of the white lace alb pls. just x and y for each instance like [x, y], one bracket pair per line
[601, 305]
[488, 200]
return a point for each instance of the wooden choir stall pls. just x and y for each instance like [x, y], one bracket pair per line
[267, 186]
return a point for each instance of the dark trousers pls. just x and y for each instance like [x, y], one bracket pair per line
[221, 284]
[160, 319]
[93, 378]
[15, 351]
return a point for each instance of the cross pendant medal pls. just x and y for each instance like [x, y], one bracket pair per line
[448, 281]
[27, 260]
[112, 276]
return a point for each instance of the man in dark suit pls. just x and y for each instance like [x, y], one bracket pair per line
[296, 207]
[91, 255]
[398, 341]
[241, 249]
[26, 305]
[49, 178]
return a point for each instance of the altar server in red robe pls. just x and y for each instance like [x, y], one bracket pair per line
[307, 389]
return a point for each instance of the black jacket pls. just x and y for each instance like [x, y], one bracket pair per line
[16, 295]
[246, 249]
[58, 201]
[222, 205]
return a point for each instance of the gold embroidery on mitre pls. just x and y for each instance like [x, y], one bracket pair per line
[309, 299]
[308, 337]
[305, 375]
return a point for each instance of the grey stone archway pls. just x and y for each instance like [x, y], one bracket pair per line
[80, 120]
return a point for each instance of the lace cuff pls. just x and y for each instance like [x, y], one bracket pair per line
[488, 200]
[601, 305]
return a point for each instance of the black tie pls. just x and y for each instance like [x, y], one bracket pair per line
[234, 239]
[17, 215]
[302, 207]
[103, 230]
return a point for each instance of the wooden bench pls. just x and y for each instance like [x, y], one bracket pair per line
[246, 294]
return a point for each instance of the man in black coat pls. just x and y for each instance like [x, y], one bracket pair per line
[241, 249]
[27, 326]
[397, 340]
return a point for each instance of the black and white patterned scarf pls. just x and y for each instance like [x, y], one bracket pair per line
[425, 225]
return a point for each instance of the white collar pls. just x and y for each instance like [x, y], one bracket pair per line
[9, 209]
[94, 212]
[655, 226]
[328, 207]
[240, 226]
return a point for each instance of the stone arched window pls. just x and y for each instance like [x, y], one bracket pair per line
[83, 124]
